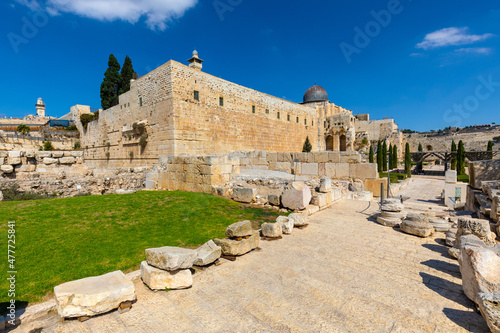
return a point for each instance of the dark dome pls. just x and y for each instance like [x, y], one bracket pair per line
[315, 94]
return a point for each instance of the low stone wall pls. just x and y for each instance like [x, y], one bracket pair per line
[21, 164]
[203, 173]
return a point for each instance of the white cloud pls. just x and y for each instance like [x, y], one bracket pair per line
[477, 50]
[450, 37]
[157, 12]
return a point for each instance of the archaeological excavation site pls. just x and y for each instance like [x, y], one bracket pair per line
[225, 192]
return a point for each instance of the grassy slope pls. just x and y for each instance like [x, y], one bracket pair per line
[60, 240]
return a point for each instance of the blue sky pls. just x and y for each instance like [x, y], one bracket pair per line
[428, 64]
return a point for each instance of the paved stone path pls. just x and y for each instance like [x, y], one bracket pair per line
[424, 192]
[344, 273]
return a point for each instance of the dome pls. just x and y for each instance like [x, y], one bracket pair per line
[315, 94]
[39, 101]
[195, 53]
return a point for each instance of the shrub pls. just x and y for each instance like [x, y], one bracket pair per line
[47, 145]
[72, 128]
[108, 155]
[86, 118]
[364, 142]
[143, 140]
[23, 129]
[131, 155]
[77, 145]
[307, 146]
[12, 193]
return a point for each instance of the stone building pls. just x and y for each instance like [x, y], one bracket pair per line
[178, 109]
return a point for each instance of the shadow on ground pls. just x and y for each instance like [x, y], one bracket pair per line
[443, 250]
[446, 289]
[443, 266]
[469, 320]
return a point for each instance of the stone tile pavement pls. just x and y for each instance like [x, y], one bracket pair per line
[344, 273]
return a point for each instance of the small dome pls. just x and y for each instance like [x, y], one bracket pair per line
[39, 101]
[315, 94]
[195, 53]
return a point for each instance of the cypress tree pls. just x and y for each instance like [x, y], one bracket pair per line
[490, 149]
[395, 157]
[384, 156]
[408, 160]
[454, 160]
[370, 155]
[127, 75]
[111, 85]
[390, 157]
[307, 147]
[420, 147]
[461, 158]
[379, 156]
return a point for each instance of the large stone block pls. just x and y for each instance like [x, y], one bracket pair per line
[310, 169]
[297, 196]
[7, 168]
[286, 224]
[320, 200]
[43, 154]
[274, 199]
[479, 267]
[57, 154]
[489, 305]
[14, 158]
[373, 185]
[469, 226]
[363, 170]
[240, 229]
[272, 230]
[451, 176]
[325, 185]
[299, 220]
[244, 194]
[171, 258]
[158, 279]
[49, 161]
[93, 295]
[480, 171]
[495, 208]
[207, 254]
[67, 160]
[232, 247]
[417, 228]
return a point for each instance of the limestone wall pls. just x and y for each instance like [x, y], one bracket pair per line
[11, 141]
[202, 173]
[23, 164]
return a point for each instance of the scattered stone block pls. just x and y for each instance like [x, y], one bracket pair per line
[240, 229]
[440, 225]
[232, 247]
[121, 191]
[320, 200]
[272, 230]
[171, 258]
[244, 194]
[489, 305]
[393, 207]
[207, 254]
[325, 185]
[299, 220]
[274, 199]
[451, 236]
[311, 209]
[417, 228]
[93, 295]
[297, 197]
[394, 215]
[495, 208]
[388, 221]
[159, 279]
[286, 224]
[479, 267]
[49, 161]
[356, 187]
[470, 226]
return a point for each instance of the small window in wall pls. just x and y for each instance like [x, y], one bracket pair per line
[128, 104]
[288, 117]
[267, 111]
[305, 121]
[297, 120]
[278, 115]
[312, 123]
[253, 108]
[221, 101]
[196, 95]
[140, 101]
[121, 106]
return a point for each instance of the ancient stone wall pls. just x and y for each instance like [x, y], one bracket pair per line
[203, 173]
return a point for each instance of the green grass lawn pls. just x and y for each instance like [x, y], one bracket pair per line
[463, 178]
[60, 240]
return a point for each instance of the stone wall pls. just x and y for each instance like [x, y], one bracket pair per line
[203, 173]
[22, 164]
[481, 171]
[12, 141]
[176, 123]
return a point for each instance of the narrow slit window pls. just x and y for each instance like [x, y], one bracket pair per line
[221, 101]
[297, 120]
[253, 108]
[278, 115]
[267, 111]
[288, 117]
[196, 95]
[140, 101]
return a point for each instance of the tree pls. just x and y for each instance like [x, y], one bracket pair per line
[384, 156]
[390, 156]
[370, 155]
[490, 149]
[379, 156]
[307, 146]
[408, 160]
[454, 160]
[395, 157]
[127, 74]
[420, 147]
[25, 129]
[111, 85]
[461, 158]
[47, 145]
